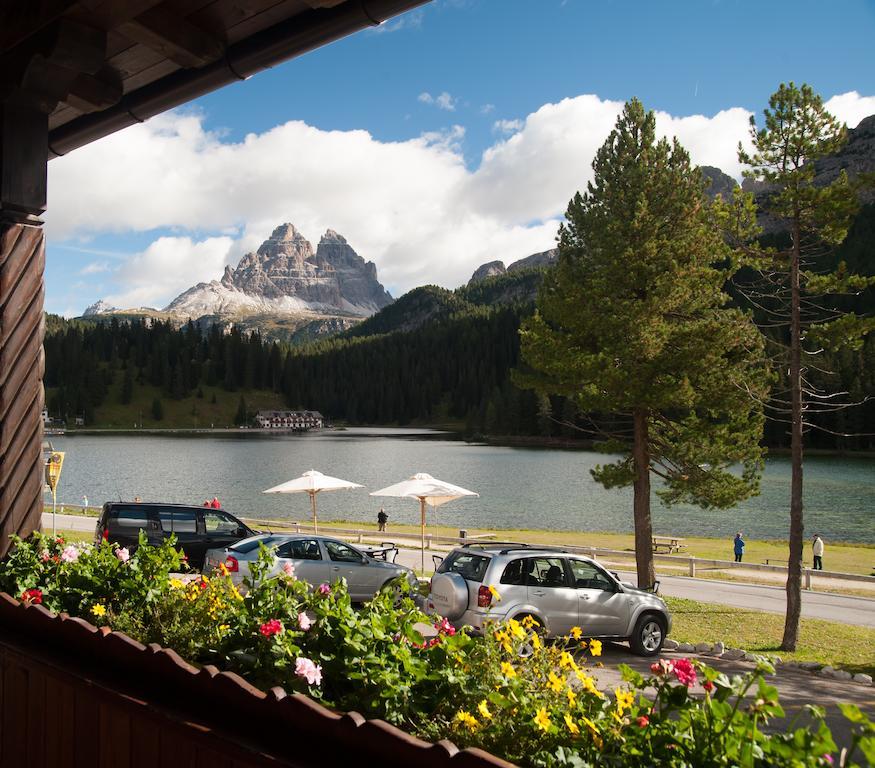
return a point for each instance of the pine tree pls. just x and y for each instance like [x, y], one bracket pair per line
[632, 323]
[157, 409]
[794, 284]
[127, 392]
[241, 417]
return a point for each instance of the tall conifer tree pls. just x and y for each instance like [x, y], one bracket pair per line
[793, 285]
[632, 324]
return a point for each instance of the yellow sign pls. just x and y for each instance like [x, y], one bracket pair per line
[54, 462]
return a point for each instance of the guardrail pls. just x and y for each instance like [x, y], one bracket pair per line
[690, 561]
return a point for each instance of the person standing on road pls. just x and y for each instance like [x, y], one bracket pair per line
[739, 547]
[382, 519]
[817, 550]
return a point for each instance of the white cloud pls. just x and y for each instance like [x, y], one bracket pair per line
[167, 267]
[442, 101]
[413, 207]
[850, 107]
[487, 109]
[94, 268]
[507, 126]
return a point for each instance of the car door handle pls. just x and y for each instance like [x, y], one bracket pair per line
[538, 592]
[585, 597]
[335, 568]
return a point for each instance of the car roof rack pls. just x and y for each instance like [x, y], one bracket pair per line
[493, 544]
[532, 548]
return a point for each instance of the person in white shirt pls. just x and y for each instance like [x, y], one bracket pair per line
[817, 550]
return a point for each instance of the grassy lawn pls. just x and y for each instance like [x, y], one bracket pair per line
[840, 645]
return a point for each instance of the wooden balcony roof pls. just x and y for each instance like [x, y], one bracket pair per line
[96, 66]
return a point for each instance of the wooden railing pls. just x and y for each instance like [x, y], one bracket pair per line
[76, 695]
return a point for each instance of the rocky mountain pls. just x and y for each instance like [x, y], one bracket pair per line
[495, 268]
[100, 307]
[286, 276]
[717, 182]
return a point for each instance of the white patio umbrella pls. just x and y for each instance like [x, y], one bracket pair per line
[312, 482]
[429, 490]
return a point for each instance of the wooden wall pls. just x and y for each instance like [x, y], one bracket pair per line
[22, 261]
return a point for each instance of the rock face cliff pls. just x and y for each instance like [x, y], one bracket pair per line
[494, 268]
[286, 276]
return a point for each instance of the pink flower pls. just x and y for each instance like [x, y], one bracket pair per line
[122, 554]
[685, 672]
[45, 556]
[70, 554]
[324, 589]
[270, 628]
[289, 570]
[311, 672]
[827, 758]
[643, 721]
[304, 621]
[662, 667]
[444, 627]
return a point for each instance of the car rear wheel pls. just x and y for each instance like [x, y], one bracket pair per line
[649, 635]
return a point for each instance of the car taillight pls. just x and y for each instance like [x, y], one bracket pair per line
[484, 597]
[105, 534]
[231, 564]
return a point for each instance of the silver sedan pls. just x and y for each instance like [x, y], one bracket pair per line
[315, 559]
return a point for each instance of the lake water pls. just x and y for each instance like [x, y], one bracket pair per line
[518, 487]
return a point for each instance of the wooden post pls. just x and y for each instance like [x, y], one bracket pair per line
[23, 158]
[692, 566]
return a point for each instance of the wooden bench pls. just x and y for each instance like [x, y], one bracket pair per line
[669, 544]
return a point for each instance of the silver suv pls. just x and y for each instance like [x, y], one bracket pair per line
[559, 589]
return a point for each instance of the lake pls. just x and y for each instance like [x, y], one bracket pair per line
[518, 487]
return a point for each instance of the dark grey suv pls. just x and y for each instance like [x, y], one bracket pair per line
[559, 589]
[197, 529]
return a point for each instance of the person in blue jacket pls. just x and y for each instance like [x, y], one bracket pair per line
[739, 547]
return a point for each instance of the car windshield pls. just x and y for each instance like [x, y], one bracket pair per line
[248, 545]
[469, 566]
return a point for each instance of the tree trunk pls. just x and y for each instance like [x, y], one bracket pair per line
[794, 564]
[641, 506]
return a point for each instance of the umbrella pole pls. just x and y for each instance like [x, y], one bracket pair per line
[313, 502]
[422, 531]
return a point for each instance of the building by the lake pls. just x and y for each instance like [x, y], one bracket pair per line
[294, 420]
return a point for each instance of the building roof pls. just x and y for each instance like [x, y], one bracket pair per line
[97, 66]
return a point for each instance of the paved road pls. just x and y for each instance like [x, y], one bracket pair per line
[859, 611]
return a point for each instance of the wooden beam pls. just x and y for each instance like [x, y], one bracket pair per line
[172, 36]
[90, 93]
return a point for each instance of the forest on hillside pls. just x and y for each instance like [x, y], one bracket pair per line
[434, 356]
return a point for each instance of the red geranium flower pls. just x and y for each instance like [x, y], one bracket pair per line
[643, 721]
[32, 596]
[708, 686]
[270, 628]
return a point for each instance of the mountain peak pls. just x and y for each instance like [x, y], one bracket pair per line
[285, 233]
[331, 236]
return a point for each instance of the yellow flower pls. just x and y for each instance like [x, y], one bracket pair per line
[625, 699]
[572, 726]
[98, 610]
[223, 628]
[536, 642]
[556, 682]
[576, 633]
[484, 710]
[588, 683]
[516, 630]
[572, 697]
[593, 729]
[223, 569]
[176, 584]
[542, 719]
[529, 621]
[595, 647]
[507, 669]
[236, 593]
[467, 719]
[567, 660]
[494, 592]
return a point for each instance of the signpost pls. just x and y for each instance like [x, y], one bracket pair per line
[54, 463]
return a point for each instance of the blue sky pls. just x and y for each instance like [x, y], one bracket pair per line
[382, 136]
